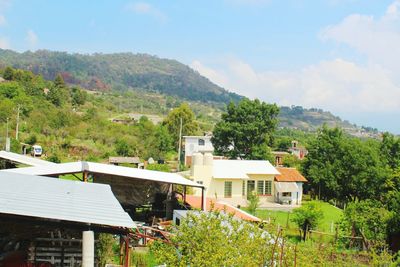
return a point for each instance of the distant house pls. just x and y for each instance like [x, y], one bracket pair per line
[195, 144]
[232, 181]
[299, 151]
[278, 157]
[289, 186]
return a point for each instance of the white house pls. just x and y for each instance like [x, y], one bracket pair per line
[194, 144]
[231, 181]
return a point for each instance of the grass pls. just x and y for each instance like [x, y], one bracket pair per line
[332, 215]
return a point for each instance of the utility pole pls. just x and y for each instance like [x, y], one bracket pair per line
[16, 128]
[7, 148]
[179, 147]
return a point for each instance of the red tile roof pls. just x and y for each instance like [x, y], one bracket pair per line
[289, 175]
[195, 202]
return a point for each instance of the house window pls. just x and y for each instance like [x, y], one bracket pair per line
[268, 188]
[264, 187]
[243, 188]
[227, 189]
[251, 186]
[260, 187]
[201, 142]
[199, 182]
[287, 194]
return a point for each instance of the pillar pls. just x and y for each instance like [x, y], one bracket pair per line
[87, 249]
[203, 199]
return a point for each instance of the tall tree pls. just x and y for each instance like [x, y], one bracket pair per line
[173, 122]
[246, 130]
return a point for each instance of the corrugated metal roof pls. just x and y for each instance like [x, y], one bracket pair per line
[91, 167]
[18, 158]
[239, 169]
[49, 198]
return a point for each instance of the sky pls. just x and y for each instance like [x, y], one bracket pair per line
[339, 55]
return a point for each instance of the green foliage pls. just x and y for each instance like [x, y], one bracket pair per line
[8, 73]
[291, 161]
[344, 168]
[173, 122]
[31, 140]
[158, 167]
[54, 158]
[367, 218]
[246, 130]
[121, 72]
[215, 239]
[308, 216]
[122, 148]
[104, 249]
[253, 202]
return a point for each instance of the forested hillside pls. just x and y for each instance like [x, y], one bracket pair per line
[121, 72]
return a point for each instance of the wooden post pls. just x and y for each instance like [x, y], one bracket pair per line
[203, 199]
[85, 176]
[127, 252]
[184, 194]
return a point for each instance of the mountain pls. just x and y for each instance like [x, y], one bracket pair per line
[120, 72]
[157, 85]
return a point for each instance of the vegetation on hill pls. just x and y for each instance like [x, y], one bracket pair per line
[121, 72]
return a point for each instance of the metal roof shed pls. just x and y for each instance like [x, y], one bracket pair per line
[61, 200]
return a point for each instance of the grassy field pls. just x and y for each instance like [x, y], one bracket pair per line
[331, 216]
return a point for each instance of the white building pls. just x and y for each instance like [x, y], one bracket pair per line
[194, 144]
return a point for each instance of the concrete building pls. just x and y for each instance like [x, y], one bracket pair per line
[195, 144]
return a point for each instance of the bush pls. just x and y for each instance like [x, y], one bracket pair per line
[253, 201]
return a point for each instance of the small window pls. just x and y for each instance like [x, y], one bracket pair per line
[268, 188]
[287, 194]
[201, 142]
[228, 189]
[243, 188]
[260, 187]
[199, 182]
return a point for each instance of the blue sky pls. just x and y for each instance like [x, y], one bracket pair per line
[339, 55]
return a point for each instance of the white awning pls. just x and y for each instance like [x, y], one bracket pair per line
[91, 167]
[23, 159]
[286, 187]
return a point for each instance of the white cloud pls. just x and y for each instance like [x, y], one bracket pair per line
[376, 38]
[31, 38]
[4, 43]
[144, 8]
[337, 85]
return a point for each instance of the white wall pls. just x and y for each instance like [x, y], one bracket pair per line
[192, 145]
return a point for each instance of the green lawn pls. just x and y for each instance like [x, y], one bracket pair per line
[331, 215]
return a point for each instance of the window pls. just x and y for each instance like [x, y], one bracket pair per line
[287, 194]
[201, 142]
[243, 188]
[199, 182]
[260, 187]
[268, 188]
[227, 189]
[264, 187]
[251, 186]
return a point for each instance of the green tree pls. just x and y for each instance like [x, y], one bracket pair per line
[253, 201]
[122, 148]
[59, 81]
[307, 217]
[368, 218]
[163, 141]
[173, 122]
[215, 239]
[78, 96]
[8, 73]
[246, 130]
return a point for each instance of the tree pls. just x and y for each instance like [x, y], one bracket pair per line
[368, 218]
[173, 122]
[8, 73]
[390, 150]
[163, 142]
[344, 168]
[307, 217]
[122, 148]
[246, 130]
[59, 81]
[215, 239]
[78, 96]
[253, 202]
